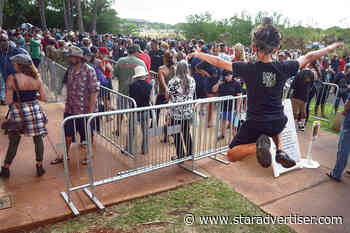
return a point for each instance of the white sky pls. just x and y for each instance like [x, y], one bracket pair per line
[321, 13]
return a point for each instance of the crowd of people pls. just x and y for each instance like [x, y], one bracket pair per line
[186, 70]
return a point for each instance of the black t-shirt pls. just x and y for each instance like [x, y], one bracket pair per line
[302, 84]
[212, 71]
[226, 89]
[140, 91]
[156, 59]
[265, 82]
[342, 81]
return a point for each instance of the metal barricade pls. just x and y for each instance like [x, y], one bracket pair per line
[141, 140]
[322, 101]
[52, 75]
[322, 104]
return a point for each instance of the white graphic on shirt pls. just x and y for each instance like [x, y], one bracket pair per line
[269, 79]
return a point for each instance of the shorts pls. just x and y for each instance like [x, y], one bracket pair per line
[76, 125]
[231, 117]
[299, 107]
[250, 131]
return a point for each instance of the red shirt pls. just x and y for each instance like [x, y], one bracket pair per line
[341, 64]
[147, 60]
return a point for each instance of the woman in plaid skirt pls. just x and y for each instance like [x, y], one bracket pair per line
[25, 108]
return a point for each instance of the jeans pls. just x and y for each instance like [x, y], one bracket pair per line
[343, 151]
[2, 88]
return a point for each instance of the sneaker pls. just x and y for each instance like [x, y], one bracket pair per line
[301, 128]
[263, 154]
[283, 159]
[5, 172]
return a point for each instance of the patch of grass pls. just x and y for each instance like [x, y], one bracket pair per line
[329, 110]
[164, 213]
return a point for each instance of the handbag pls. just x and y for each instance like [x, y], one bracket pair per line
[10, 124]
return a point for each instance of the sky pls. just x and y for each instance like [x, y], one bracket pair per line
[319, 13]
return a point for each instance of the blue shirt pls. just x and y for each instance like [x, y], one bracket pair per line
[6, 66]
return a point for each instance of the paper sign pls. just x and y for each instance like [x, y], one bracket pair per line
[290, 143]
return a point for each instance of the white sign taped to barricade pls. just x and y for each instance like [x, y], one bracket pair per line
[289, 140]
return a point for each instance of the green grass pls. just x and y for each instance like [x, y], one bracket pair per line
[328, 110]
[164, 213]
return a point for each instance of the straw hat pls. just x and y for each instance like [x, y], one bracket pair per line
[140, 71]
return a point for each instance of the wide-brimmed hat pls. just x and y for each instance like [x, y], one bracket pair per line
[75, 51]
[21, 59]
[140, 71]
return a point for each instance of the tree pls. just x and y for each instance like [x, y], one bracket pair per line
[2, 3]
[42, 13]
[94, 16]
[80, 16]
[65, 15]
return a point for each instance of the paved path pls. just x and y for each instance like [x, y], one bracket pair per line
[303, 192]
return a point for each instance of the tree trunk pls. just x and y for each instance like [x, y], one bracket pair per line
[94, 17]
[2, 3]
[42, 14]
[70, 14]
[65, 14]
[80, 16]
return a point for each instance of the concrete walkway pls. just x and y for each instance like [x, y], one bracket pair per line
[304, 192]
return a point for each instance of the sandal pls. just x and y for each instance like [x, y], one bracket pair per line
[85, 161]
[58, 160]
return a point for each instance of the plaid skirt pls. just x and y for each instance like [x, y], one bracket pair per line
[35, 119]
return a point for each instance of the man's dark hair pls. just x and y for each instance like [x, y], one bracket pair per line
[266, 37]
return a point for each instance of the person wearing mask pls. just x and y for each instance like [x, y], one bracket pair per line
[342, 79]
[24, 89]
[82, 91]
[265, 80]
[181, 88]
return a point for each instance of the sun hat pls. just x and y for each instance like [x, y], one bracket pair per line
[21, 59]
[75, 51]
[140, 71]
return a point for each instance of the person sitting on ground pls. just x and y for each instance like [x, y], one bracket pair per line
[140, 91]
[265, 80]
[229, 87]
[22, 92]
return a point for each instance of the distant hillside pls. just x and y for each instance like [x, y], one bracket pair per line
[147, 25]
